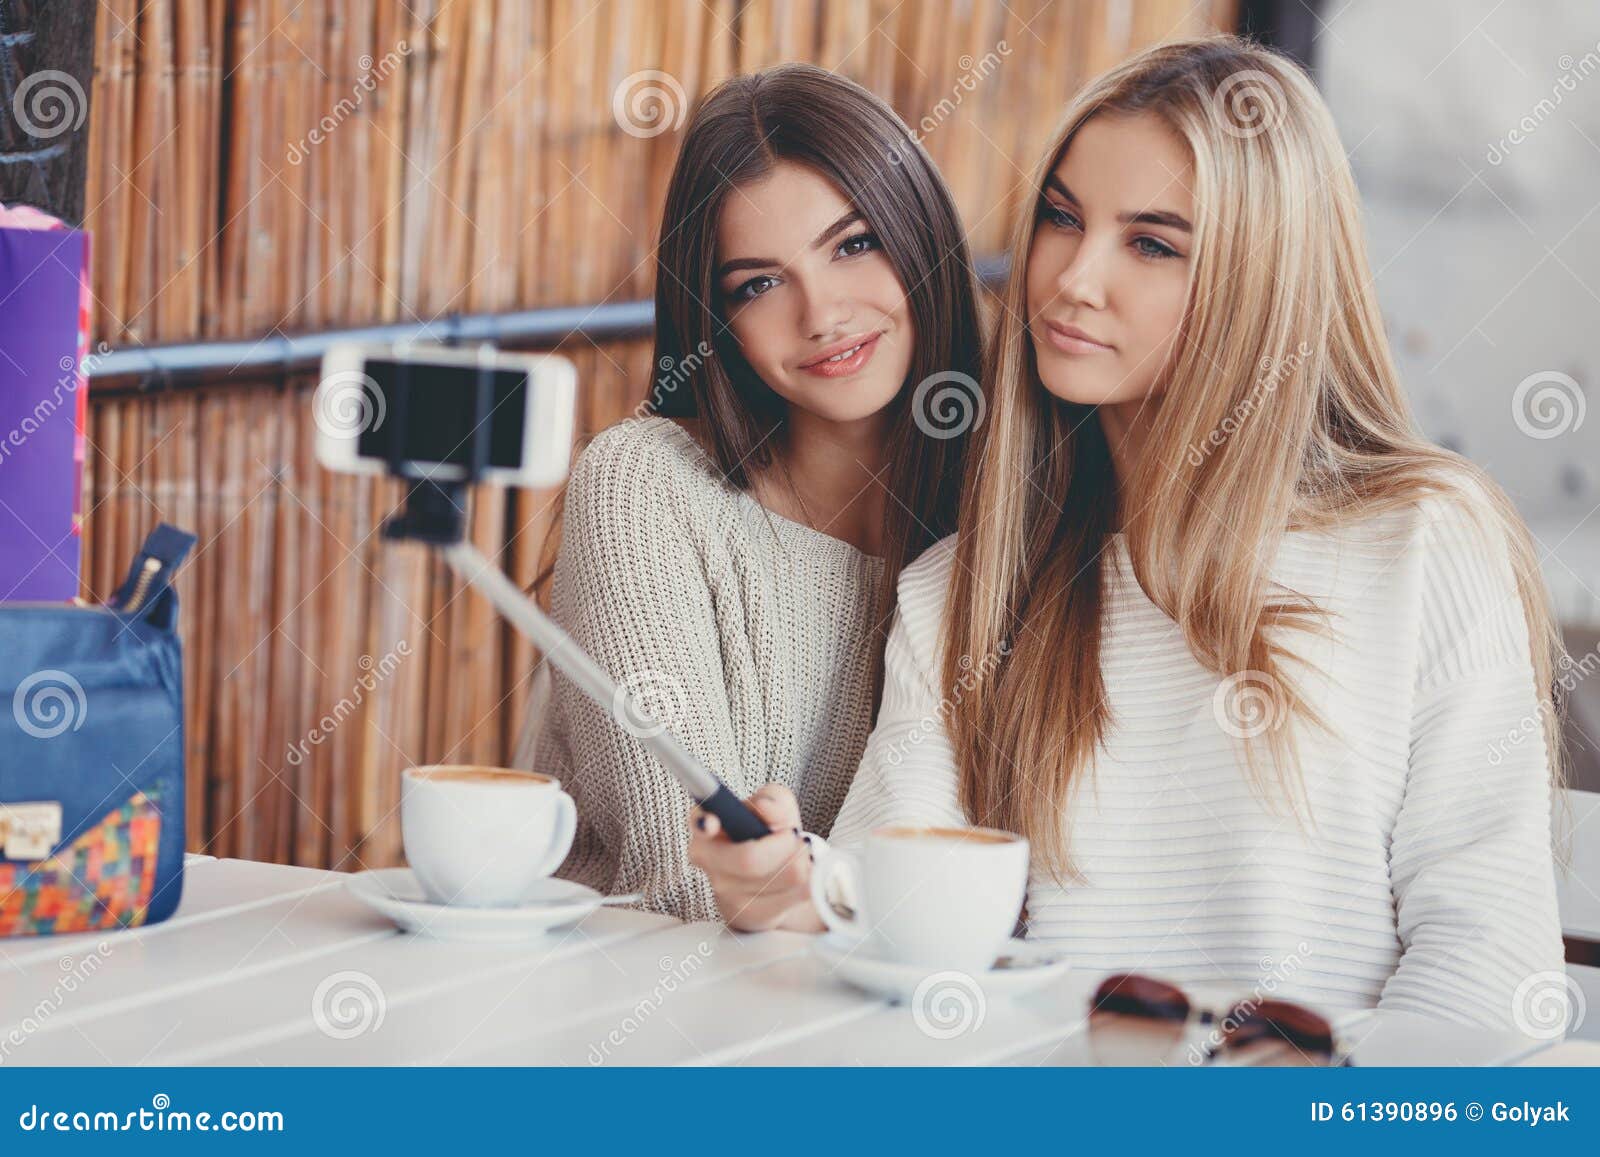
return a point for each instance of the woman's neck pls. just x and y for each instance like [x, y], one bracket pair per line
[828, 475]
[1126, 426]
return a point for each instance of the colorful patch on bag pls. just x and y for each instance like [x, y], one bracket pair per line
[103, 879]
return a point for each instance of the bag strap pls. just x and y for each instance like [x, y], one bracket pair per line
[145, 591]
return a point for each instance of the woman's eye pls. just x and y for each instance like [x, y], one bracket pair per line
[1150, 247]
[860, 243]
[1057, 216]
[753, 288]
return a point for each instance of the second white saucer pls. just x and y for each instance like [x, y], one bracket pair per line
[1021, 967]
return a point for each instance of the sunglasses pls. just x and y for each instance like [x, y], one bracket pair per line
[1255, 1032]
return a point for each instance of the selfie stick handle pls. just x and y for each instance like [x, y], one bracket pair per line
[572, 661]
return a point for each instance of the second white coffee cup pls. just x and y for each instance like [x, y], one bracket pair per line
[935, 896]
[483, 837]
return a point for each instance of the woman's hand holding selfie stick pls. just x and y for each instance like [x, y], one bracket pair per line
[759, 884]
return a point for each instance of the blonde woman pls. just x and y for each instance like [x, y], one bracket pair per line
[1249, 648]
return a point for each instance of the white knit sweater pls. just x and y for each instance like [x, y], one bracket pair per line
[748, 634]
[1427, 883]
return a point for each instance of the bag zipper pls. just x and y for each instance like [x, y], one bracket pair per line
[152, 567]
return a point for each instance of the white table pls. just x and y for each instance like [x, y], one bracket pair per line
[266, 964]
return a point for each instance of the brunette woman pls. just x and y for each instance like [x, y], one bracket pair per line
[733, 558]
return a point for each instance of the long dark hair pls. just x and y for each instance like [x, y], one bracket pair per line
[807, 115]
[810, 116]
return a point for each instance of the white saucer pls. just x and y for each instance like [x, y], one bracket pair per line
[396, 893]
[1021, 967]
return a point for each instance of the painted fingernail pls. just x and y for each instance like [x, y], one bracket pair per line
[700, 822]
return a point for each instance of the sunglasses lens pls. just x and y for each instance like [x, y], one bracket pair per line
[1141, 996]
[1276, 1020]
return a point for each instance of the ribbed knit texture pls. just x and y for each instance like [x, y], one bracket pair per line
[748, 634]
[1426, 882]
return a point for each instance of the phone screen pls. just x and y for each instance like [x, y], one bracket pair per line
[435, 423]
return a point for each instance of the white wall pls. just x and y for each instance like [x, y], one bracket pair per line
[1486, 250]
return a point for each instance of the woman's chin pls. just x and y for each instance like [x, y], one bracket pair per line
[845, 402]
[1073, 388]
[1090, 389]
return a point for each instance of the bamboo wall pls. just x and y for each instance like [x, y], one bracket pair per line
[480, 168]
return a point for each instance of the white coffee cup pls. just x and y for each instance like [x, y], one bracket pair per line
[483, 837]
[942, 897]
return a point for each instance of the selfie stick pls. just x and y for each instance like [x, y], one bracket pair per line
[435, 514]
[572, 661]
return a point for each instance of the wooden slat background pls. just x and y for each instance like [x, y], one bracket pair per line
[480, 168]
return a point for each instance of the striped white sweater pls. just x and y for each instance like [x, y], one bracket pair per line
[1427, 881]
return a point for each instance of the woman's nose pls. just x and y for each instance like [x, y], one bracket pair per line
[1082, 282]
[825, 312]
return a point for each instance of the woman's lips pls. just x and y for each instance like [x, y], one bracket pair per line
[844, 367]
[1071, 341]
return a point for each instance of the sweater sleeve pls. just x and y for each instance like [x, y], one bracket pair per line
[630, 587]
[1470, 858]
[907, 772]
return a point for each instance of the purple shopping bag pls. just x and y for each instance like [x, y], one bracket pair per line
[44, 335]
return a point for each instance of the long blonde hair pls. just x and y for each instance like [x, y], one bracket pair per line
[1280, 285]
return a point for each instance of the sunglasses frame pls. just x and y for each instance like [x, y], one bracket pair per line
[1179, 1007]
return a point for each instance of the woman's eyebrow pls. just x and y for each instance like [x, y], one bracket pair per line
[1157, 217]
[850, 218]
[1146, 217]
